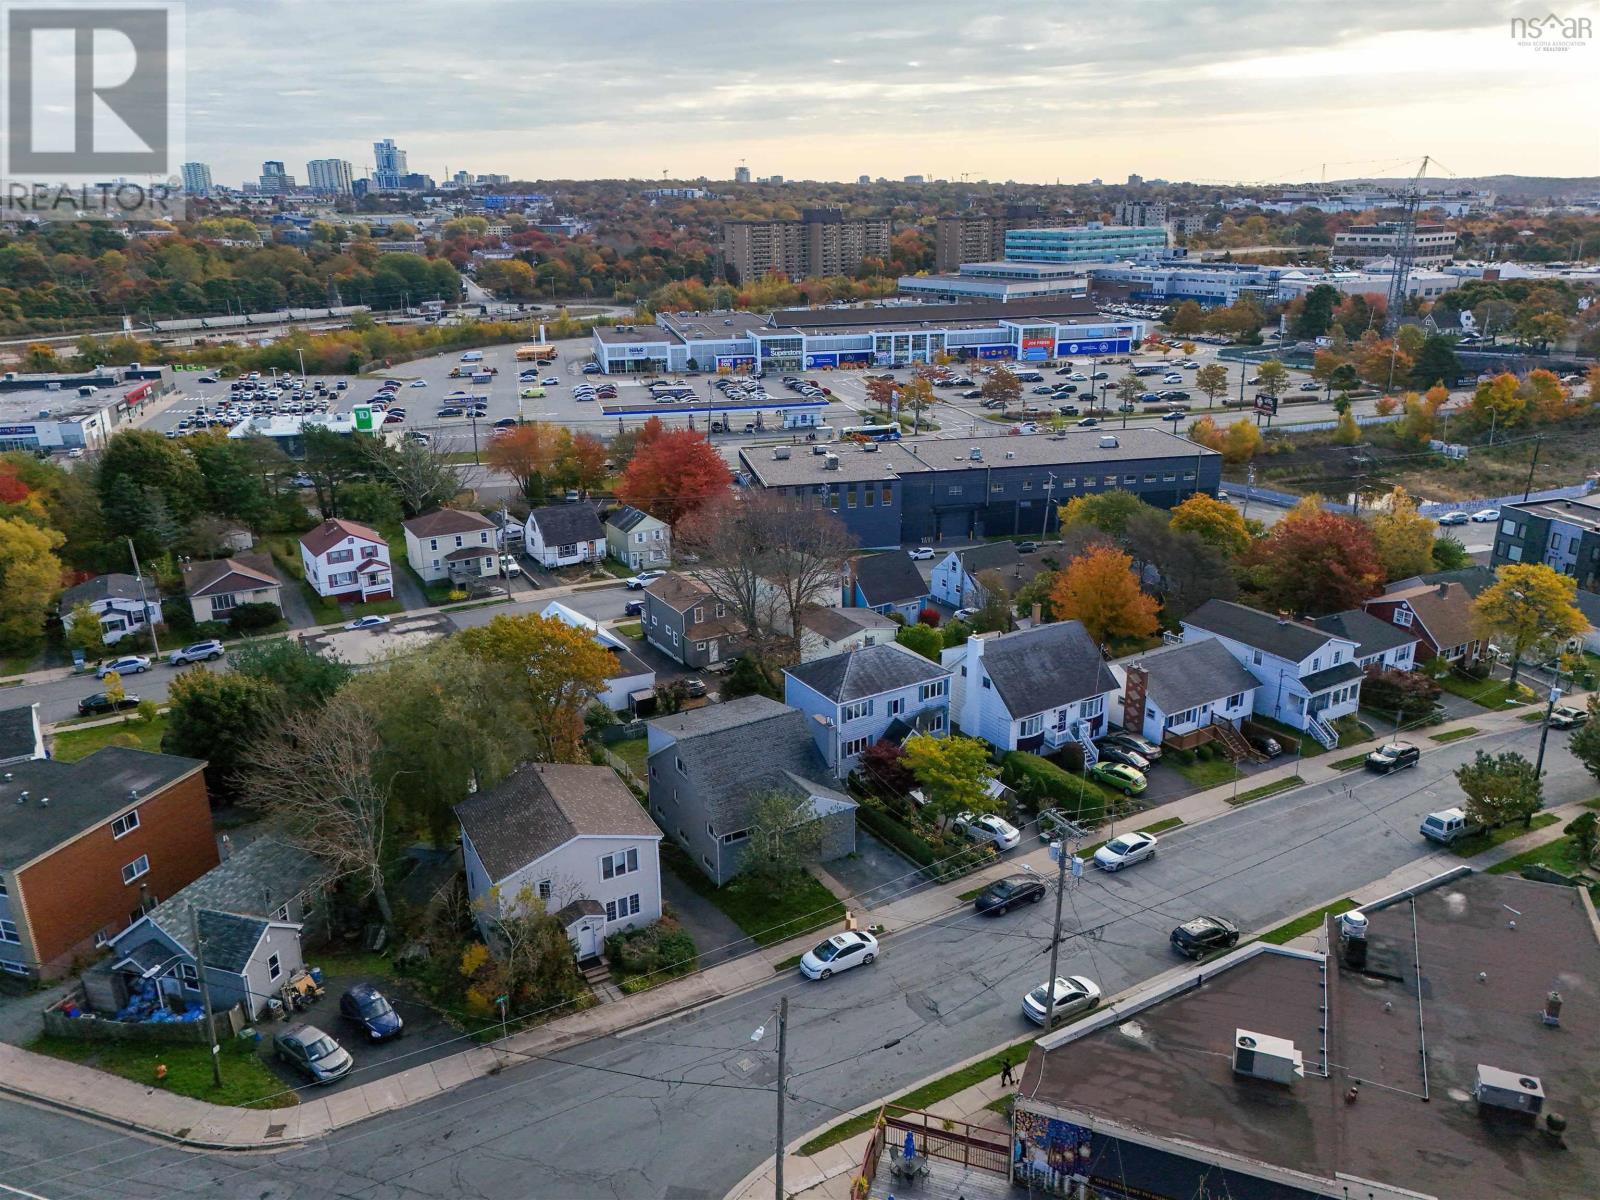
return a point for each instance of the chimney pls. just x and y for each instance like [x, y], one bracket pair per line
[1444, 590]
[1038, 612]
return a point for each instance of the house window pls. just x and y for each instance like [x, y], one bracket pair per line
[625, 907]
[282, 914]
[997, 487]
[729, 839]
[679, 763]
[868, 496]
[125, 824]
[850, 498]
[223, 602]
[1092, 707]
[1130, 480]
[4, 891]
[341, 556]
[699, 645]
[721, 610]
[855, 746]
[1514, 553]
[931, 691]
[274, 967]
[8, 933]
[953, 490]
[854, 712]
[1236, 700]
[137, 868]
[936, 724]
[1255, 657]
[623, 862]
[1402, 616]
[14, 968]
[369, 552]
[987, 685]
[190, 976]
[569, 550]
[1338, 657]
[1029, 726]
[1110, 481]
[897, 706]
[433, 543]
[1027, 485]
[888, 495]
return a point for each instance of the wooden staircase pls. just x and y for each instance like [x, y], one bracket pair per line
[1234, 744]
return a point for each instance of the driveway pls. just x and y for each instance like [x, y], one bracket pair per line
[408, 589]
[876, 873]
[715, 935]
[295, 608]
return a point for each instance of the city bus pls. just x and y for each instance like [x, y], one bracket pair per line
[871, 433]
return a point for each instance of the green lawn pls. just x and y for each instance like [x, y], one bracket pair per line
[1468, 847]
[1351, 763]
[630, 629]
[1202, 774]
[1485, 693]
[246, 1080]
[1557, 855]
[1312, 920]
[80, 743]
[1288, 736]
[1267, 789]
[329, 612]
[636, 753]
[766, 917]
[1453, 735]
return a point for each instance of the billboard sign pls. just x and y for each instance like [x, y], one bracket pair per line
[1266, 404]
[1036, 349]
[821, 360]
[733, 362]
[363, 418]
[855, 357]
[1100, 346]
[996, 351]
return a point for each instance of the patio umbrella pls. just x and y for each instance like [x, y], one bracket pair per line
[911, 1145]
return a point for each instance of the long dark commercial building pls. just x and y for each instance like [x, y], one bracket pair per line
[957, 489]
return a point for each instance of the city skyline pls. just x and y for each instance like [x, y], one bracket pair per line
[1206, 93]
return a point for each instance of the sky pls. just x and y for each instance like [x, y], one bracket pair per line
[1238, 92]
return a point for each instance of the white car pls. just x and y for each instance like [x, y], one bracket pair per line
[839, 953]
[367, 623]
[1124, 850]
[418, 383]
[642, 580]
[989, 827]
[964, 614]
[920, 553]
[1485, 515]
[128, 664]
[1074, 994]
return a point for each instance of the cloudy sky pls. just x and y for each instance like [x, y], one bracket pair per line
[831, 89]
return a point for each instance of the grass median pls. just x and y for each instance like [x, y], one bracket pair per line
[1489, 839]
[1267, 789]
[1453, 735]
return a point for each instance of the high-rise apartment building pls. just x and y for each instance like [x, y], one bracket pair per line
[981, 237]
[388, 163]
[275, 181]
[741, 174]
[822, 242]
[197, 178]
[1139, 214]
[1434, 245]
[330, 176]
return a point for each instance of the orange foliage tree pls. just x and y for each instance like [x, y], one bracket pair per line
[1099, 589]
[673, 475]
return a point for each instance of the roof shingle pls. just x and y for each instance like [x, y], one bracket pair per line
[867, 671]
[1045, 667]
[566, 524]
[333, 531]
[889, 578]
[1190, 674]
[1288, 639]
[447, 520]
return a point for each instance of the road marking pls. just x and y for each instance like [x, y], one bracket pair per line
[11, 1191]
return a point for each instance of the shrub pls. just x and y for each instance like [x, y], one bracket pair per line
[661, 946]
[254, 616]
[956, 634]
[177, 616]
[146, 712]
[1409, 693]
[930, 616]
[1045, 785]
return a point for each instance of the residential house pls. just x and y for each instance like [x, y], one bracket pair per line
[1439, 614]
[1308, 677]
[687, 623]
[827, 631]
[347, 562]
[1186, 694]
[631, 682]
[710, 767]
[1563, 533]
[217, 586]
[21, 738]
[637, 540]
[856, 698]
[887, 583]
[252, 910]
[123, 605]
[86, 847]
[508, 529]
[1380, 645]
[957, 577]
[1036, 689]
[563, 535]
[572, 837]
[452, 544]
[1476, 578]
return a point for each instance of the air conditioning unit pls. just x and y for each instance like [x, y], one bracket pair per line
[830, 462]
[1261, 1056]
[780, 452]
[1108, 441]
[1508, 1090]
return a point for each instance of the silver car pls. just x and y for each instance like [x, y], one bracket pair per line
[313, 1053]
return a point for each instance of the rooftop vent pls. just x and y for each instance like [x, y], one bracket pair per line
[1011, 453]
[830, 462]
[1263, 1057]
[780, 452]
[869, 448]
[1508, 1090]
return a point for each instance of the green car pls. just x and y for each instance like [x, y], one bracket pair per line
[1124, 779]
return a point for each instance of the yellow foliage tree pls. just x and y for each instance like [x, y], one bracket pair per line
[1404, 536]
[1528, 607]
[1241, 443]
[1215, 522]
[1099, 589]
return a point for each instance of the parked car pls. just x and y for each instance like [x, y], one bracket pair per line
[367, 1007]
[642, 580]
[128, 664]
[1264, 745]
[1074, 994]
[1028, 547]
[839, 953]
[1118, 752]
[196, 652]
[633, 608]
[1203, 935]
[964, 614]
[509, 567]
[1003, 895]
[371, 622]
[1485, 515]
[418, 383]
[98, 704]
[551, 381]
[1124, 850]
[1394, 756]
[1565, 716]
[1134, 741]
[1454, 518]
[918, 553]
[313, 1053]
[1123, 778]
[989, 827]
[1447, 826]
[694, 688]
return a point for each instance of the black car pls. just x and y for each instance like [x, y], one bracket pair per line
[1395, 756]
[1268, 747]
[1202, 935]
[1003, 894]
[633, 608]
[99, 702]
[1120, 752]
[366, 1006]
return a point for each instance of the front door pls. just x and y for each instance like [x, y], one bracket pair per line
[713, 649]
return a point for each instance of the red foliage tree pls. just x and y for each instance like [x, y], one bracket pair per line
[12, 489]
[929, 616]
[674, 474]
[1316, 562]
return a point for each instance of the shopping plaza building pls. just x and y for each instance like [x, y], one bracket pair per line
[808, 339]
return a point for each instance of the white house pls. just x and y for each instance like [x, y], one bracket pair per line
[563, 535]
[117, 601]
[956, 578]
[347, 561]
[637, 540]
[631, 680]
[453, 544]
[1035, 689]
[1378, 643]
[854, 699]
[828, 631]
[572, 837]
[1185, 689]
[1308, 677]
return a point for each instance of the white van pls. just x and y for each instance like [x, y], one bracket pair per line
[1448, 826]
[472, 356]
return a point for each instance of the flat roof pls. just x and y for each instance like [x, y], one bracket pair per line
[1583, 513]
[1166, 1069]
[941, 316]
[625, 335]
[24, 407]
[712, 326]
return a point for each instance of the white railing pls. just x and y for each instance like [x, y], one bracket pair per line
[1322, 731]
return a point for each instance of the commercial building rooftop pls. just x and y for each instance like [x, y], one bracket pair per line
[1585, 514]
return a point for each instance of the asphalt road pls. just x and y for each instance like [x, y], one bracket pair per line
[682, 1110]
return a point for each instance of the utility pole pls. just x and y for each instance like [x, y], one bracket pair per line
[1544, 731]
[1062, 855]
[1534, 462]
[205, 996]
[144, 604]
[783, 1047]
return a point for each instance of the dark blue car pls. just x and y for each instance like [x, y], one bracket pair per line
[367, 1007]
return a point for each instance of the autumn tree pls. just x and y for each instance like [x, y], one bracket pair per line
[673, 475]
[30, 577]
[785, 835]
[1500, 788]
[1211, 381]
[1404, 536]
[881, 391]
[1188, 317]
[1498, 403]
[1346, 432]
[1108, 512]
[952, 773]
[527, 454]
[1585, 741]
[1273, 378]
[1528, 608]
[1098, 588]
[918, 395]
[1241, 442]
[580, 461]
[1215, 522]
[1002, 387]
[1315, 562]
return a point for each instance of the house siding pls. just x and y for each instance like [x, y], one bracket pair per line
[205, 608]
[1281, 694]
[645, 547]
[831, 741]
[257, 983]
[574, 871]
[676, 807]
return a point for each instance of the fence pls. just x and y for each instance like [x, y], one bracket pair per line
[973, 1147]
[92, 1028]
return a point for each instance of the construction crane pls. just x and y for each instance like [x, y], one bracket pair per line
[1405, 249]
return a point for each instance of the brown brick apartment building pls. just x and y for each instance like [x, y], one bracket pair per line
[86, 846]
[822, 242]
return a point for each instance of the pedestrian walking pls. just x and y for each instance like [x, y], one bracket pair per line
[1006, 1078]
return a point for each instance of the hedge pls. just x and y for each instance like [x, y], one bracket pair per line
[1046, 785]
[950, 863]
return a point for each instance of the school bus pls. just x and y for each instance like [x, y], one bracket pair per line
[535, 352]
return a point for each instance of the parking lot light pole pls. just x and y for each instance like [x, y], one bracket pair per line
[1544, 731]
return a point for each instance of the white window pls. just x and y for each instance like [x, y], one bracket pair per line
[897, 706]
[274, 967]
[932, 691]
[433, 544]
[1092, 707]
[1030, 726]
[14, 968]
[3, 890]
[138, 867]
[936, 723]
[8, 933]
[855, 746]
[623, 862]
[1514, 553]
[126, 823]
[223, 602]
[1338, 657]
[1402, 616]
[625, 907]
[102, 938]
[854, 712]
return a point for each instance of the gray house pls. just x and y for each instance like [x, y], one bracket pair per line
[251, 908]
[709, 767]
[685, 621]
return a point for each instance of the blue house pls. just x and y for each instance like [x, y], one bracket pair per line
[854, 699]
[887, 583]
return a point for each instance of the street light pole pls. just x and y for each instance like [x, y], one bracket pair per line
[783, 1053]
[1544, 731]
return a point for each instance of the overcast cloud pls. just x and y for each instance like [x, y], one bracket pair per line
[835, 88]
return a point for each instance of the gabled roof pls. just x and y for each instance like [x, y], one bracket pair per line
[867, 671]
[333, 531]
[1372, 635]
[625, 518]
[992, 556]
[1190, 674]
[446, 521]
[1474, 578]
[1445, 610]
[219, 576]
[889, 578]
[565, 524]
[837, 622]
[1321, 681]
[542, 806]
[103, 587]
[1044, 667]
[1286, 638]
[678, 592]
